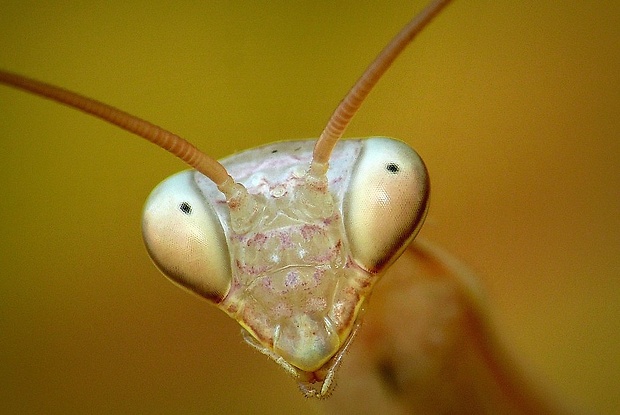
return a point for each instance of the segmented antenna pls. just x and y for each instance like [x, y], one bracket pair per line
[347, 108]
[153, 133]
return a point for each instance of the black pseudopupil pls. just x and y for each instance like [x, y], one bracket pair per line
[392, 168]
[186, 208]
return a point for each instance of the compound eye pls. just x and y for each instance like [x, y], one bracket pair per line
[185, 239]
[386, 202]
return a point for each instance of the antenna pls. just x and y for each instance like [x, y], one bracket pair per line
[153, 133]
[347, 108]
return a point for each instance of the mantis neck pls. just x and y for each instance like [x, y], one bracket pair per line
[427, 346]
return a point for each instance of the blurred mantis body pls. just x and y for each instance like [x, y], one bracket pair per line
[293, 252]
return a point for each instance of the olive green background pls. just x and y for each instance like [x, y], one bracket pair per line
[513, 105]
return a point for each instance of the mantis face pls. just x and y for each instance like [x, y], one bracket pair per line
[297, 271]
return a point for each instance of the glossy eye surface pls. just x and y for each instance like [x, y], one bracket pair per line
[386, 202]
[185, 239]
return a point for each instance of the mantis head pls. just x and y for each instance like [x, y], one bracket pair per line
[289, 238]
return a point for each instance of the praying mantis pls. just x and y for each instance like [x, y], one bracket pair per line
[102, 177]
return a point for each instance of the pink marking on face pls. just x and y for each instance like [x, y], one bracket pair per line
[330, 220]
[292, 279]
[309, 230]
[318, 275]
[251, 270]
[285, 239]
[257, 241]
[316, 305]
[282, 310]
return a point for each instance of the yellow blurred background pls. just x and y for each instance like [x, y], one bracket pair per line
[513, 105]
